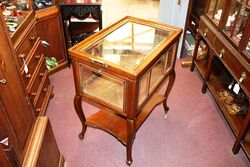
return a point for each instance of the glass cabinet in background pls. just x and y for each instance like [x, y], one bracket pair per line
[120, 69]
[17, 15]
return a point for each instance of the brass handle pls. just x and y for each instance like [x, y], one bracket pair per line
[242, 77]
[33, 94]
[205, 33]
[98, 61]
[37, 56]
[221, 53]
[28, 76]
[45, 89]
[22, 55]
[41, 74]
[32, 38]
[3, 81]
[38, 109]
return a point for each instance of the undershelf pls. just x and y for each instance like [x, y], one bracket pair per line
[117, 125]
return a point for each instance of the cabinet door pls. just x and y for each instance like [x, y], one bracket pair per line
[51, 18]
[13, 98]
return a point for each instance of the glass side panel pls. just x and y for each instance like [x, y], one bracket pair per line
[128, 45]
[104, 87]
[15, 12]
[143, 88]
[215, 10]
[157, 73]
[169, 56]
[236, 21]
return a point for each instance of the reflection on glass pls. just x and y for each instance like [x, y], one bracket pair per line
[129, 45]
[143, 88]
[102, 86]
[215, 10]
[157, 73]
[236, 21]
[14, 13]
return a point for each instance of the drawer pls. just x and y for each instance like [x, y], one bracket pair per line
[37, 81]
[206, 32]
[32, 68]
[26, 45]
[41, 94]
[239, 72]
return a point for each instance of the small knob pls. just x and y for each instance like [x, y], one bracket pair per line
[3, 81]
[37, 56]
[22, 55]
[221, 53]
[33, 94]
[205, 33]
[32, 38]
[242, 77]
[28, 76]
[41, 74]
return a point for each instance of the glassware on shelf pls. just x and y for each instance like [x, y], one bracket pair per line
[215, 10]
[236, 21]
[14, 13]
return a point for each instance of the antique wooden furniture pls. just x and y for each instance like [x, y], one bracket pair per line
[17, 112]
[225, 28]
[119, 69]
[81, 10]
[29, 50]
[49, 16]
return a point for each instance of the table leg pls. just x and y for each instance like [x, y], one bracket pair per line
[168, 89]
[79, 111]
[130, 139]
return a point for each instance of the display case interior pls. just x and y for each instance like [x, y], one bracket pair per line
[215, 10]
[42, 4]
[236, 20]
[16, 13]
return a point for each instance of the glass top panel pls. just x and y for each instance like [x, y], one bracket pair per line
[128, 45]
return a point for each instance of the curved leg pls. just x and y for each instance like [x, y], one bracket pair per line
[79, 111]
[130, 139]
[169, 88]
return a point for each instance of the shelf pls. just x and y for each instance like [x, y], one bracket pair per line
[201, 66]
[116, 125]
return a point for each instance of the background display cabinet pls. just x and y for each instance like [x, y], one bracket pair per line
[119, 69]
[17, 15]
[224, 28]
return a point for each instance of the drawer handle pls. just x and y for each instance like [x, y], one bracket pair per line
[221, 53]
[242, 77]
[45, 89]
[41, 74]
[205, 33]
[38, 56]
[22, 55]
[32, 38]
[38, 109]
[28, 76]
[98, 61]
[33, 94]
[3, 81]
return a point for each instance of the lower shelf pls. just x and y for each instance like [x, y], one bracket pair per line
[117, 125]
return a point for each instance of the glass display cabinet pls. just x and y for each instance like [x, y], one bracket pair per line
[119, 69]
[224, 28]
[17, 15]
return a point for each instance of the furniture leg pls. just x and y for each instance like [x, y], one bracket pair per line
[79, 111]
[242, 134]
[197, 41]
[208, 71]
[172, 77]
[130, 139]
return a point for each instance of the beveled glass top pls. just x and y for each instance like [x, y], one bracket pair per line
[128, 45]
